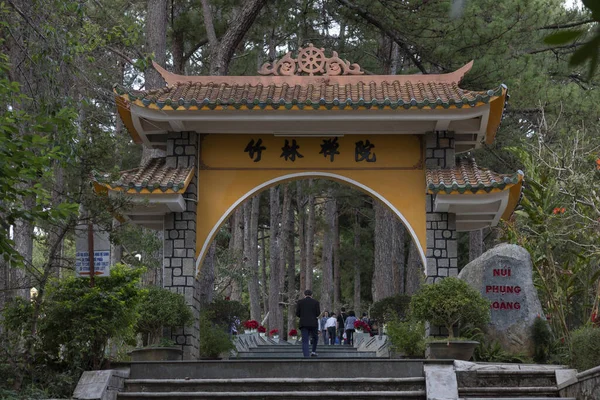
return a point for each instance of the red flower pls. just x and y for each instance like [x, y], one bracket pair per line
[358, 324]
[251, 324]
[559, 210]
[293, 332]
[598, 163]
[262, 329]
[273, 332]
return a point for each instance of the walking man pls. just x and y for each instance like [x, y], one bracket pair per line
[308, 309]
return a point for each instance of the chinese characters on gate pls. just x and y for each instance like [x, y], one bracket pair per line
[363, 150]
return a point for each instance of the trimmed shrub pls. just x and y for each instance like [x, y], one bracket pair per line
[407, 337]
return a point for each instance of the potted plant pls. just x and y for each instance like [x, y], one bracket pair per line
[274, 334]
[447, 303]
[293, 334]
[159, 309]
[250, 326]
[262, 331]
[361, 326]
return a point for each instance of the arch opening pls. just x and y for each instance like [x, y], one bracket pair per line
[414, 224]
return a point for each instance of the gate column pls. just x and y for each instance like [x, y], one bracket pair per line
[441, 253]
[179, 262]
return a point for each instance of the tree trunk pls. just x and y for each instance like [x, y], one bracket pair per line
[265, 289]
[236, 249]
[291, 274]
[310, 236]
[475, 244]
[300, 200]
[156, 40]
[383, 284]
[337, 277]
[251, 254]
[23, 238]
[414, 269]
[275, 319]
[357, 287]
[221, 54]
[399, 255]
[286, 246]
[207, 276]
[327, 254]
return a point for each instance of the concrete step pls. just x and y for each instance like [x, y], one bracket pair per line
[278, 395]
[505, 378]
[286, 368]
[280, 384]
[508, 392]
[519, 398]
[266, 348]
[298, 354]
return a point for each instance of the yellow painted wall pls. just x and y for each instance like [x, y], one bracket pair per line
[227, 175]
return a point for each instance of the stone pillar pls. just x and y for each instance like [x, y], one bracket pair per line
[179, 262]
[442, 257]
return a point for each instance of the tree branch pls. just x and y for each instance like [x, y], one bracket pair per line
[567, 46]
[392, 33]
[120, 54]
[571, 25]
[26, 18]
[190, 53]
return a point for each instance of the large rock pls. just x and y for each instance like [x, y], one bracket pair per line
[504, 276]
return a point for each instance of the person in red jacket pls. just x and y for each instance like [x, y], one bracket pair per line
[308, 310]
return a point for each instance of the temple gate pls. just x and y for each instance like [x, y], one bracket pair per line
[395, 137]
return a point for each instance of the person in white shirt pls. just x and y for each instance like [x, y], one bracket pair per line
[331, 326]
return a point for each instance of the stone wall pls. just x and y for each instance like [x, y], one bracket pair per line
[179, 262]
[441, 253]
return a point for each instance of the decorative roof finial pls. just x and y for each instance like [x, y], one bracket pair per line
[311, 61]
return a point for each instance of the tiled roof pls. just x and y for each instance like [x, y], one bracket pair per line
[153, 177]
[394, 94]
[467, 178]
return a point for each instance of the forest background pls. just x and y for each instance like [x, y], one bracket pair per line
[61, 58]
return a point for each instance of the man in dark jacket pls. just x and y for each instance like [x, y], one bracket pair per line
[308, 309]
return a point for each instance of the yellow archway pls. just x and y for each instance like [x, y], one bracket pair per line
[228, 175]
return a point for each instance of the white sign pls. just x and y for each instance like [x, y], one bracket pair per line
[101, 263]
[101, 252]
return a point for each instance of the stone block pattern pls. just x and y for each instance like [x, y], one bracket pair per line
[442, 244]
[179, 262]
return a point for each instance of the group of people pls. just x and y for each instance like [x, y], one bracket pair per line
[334, 329]
[339, 329]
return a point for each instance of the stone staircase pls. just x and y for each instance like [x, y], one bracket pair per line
[295, 351]
[507, 381]
[266, 369]
[276, 379]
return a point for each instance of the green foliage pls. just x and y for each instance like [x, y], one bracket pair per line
[214, 339]
[585, 353]
[407, 336]
[78, 320]
[542, 340]
[492, 351]
[391, 308]
[25, 153]
[227, 312]
[160, 308]
[588, 50]
[558, 220]
[449, 302]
